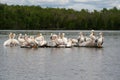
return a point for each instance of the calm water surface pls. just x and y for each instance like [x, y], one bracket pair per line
[61, 63]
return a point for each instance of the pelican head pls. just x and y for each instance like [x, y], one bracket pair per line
[81, 33]
[26, 35]
[63, 34]
[20, 34]
[92, 32]
[100, 33]
[10, 33]
[14, 34]
[40, 34]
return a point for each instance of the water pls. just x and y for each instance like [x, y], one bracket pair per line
[61, 63]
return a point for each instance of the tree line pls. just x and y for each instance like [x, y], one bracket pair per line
[16, 17]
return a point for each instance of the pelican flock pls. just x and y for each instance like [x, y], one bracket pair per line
[56, 40]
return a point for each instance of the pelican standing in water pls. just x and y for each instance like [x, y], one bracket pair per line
[100, 40]
[40, 40]
[81, 38]
[15, 41]
[8, 42]
[21, 39]
[59, 40]
[53, 38]
[69, 43]
[92, 35]
[64, 38]
[11, 41]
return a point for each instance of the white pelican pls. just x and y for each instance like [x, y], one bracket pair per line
[56, 39]
[15, 41]
[31, 39]
[64, 38]
[92, 35]
[21, 39]
[69, 43]
[59, 40]
[11, 41]
[26, 42]
[93, 38]
[74, 42]
[40, 40]
[8, 42]
[81, 38]
[53, 36]
[100, 40]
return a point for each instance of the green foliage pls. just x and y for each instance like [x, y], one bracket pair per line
[36, 18]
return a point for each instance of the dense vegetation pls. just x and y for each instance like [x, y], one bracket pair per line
[36, 18]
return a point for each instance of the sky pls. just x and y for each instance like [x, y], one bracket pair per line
[74, 4]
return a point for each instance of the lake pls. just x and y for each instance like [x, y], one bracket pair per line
[77, 63]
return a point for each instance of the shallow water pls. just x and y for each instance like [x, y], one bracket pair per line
[61, 63]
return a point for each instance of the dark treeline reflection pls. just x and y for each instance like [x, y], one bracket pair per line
[36, 18]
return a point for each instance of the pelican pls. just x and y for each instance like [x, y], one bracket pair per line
[11, 41]
[39, 37]
[74, 41]
[8, 42]
[21, 39]
[92, 35]
[15, 41]
[69, 43]
[53, 36]
[55, 40]
[26, 42]
[64, 38]
[81, 38]
[59, 40]
[100, 40]
[33, 42]
[40, 40]
[31, 39]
